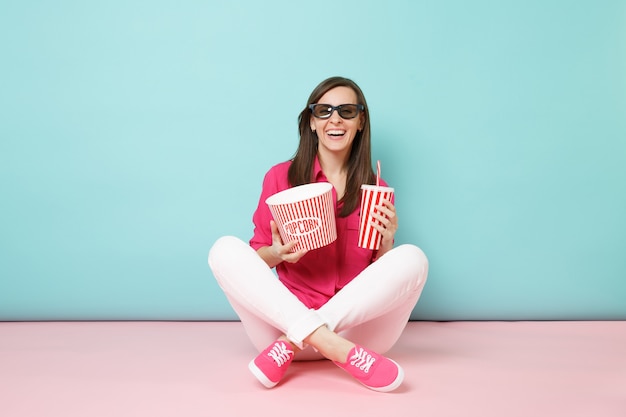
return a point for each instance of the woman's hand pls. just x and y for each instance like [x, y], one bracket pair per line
[277, 253]
[386, 222]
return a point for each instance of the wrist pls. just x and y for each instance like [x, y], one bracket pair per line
[270, 256]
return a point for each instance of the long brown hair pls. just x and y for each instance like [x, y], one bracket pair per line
[359, 161]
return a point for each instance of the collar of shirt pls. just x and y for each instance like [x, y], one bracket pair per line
[319, 176]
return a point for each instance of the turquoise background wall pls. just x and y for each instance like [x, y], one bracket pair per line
[134, 133]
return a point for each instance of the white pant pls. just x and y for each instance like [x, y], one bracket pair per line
[372, 310]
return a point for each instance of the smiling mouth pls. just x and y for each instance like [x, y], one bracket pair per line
[336, 133]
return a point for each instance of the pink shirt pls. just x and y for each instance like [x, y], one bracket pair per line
[319, 274]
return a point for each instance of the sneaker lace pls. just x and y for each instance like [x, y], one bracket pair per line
[362, 360]
[280, 354]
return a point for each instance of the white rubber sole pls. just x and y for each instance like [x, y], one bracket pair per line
[395, 384]
[260, 375]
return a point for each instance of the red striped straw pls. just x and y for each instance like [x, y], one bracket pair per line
[378, 173]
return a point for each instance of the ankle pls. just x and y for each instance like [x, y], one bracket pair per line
[288, 342]
[330, 344]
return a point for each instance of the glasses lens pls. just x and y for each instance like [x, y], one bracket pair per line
[322, 110]
[348, 111]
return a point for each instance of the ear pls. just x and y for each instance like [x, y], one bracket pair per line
[361, 122]
[312, 124]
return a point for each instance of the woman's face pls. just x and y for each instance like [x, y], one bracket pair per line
[336, 134]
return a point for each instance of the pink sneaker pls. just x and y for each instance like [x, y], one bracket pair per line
[373, 370]
[271, 364]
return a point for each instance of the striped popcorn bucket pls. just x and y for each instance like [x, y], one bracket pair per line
[305, 214]
[371, 195]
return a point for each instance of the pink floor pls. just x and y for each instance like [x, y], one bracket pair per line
[503, 369]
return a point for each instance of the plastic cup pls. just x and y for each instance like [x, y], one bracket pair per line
[305, 214]
[371, 196]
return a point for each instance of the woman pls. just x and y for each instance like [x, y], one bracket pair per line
[340, 302]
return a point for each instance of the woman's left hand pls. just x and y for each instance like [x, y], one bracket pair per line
[386, 222]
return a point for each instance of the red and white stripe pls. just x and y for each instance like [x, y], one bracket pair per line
[369, 237]
[320, 209]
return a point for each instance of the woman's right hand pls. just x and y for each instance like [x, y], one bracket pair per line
[277, 253]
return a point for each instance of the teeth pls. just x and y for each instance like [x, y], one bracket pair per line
[336, 132]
